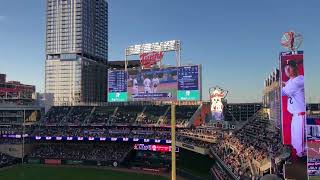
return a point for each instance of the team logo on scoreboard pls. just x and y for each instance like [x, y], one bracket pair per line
[217, 95]
[149, 59]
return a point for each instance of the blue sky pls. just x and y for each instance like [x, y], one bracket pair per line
[237, 42]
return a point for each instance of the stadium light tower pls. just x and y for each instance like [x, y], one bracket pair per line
[23, 132]
[154, 51]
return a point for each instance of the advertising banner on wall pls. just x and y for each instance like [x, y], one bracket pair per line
[293, 106]
[313, 144]
[147, 60]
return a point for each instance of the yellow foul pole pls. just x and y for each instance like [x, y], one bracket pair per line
[173, 141]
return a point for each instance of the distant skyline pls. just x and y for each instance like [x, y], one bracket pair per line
[237, 42]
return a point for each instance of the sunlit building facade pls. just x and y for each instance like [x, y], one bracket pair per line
[76, 51]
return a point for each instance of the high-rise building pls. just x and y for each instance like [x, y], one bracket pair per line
[76, 50]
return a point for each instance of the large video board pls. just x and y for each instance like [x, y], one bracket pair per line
[117, 86]
[293, 106]
[152, 84]
[165, 84]
[188, 83]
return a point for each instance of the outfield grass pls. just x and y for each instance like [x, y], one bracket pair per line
[40, 172]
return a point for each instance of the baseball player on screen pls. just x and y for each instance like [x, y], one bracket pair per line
[135, 86]
[294, 90]
[155, 83]
[147, 84]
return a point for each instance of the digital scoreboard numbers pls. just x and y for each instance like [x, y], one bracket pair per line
[117, 86]
[188, 83]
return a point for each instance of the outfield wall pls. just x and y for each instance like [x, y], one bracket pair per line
[15, 150]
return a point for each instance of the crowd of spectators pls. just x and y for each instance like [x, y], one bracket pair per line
[252, 143]
[56, 115]
[126, 115]
[103, 131]
[78, 151]
[152, 114]
[77, 115]
[156, 115]
[101, 115]
[183, 115]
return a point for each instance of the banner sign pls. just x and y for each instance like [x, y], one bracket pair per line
[149, 59]
[154, 147]
[293, 106]
[217, 96]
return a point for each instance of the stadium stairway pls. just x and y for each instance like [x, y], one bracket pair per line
[222, 164]
[87, 118]
[163, 119]
[64, 119]
[115, 111]
[110, 120]
[195, 117]
[139, 116]
[253, 169]
[125, 155]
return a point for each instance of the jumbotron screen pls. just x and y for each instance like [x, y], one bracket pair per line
[167, 84]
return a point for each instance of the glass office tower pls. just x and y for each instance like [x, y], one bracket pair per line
[76, 51]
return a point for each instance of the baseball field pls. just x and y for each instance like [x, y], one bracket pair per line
[40, 172]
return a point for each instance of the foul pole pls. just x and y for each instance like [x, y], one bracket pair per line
[173, 141]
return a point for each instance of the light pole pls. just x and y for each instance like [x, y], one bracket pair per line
[173, 141]
[23, 132]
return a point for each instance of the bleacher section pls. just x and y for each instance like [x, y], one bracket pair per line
[101, 115]
[152, 115]
[126, 115]
[246, 151]
[97, 152]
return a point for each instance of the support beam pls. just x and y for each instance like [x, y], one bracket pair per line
[173, 141]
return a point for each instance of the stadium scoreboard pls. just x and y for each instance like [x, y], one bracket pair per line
[188, 83]
[166, 84]
[117, 86]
